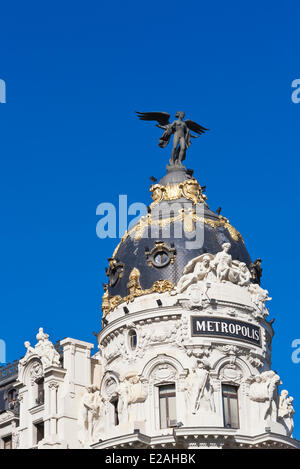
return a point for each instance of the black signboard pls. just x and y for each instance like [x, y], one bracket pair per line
[221, 327]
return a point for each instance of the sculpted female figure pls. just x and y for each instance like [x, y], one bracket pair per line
[223, 262]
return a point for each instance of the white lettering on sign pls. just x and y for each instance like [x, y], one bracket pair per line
[226, 327]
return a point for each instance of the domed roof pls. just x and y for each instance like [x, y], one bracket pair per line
[178, 227]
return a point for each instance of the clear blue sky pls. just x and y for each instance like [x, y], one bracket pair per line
[75, 73]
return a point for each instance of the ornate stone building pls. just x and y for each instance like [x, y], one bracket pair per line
[184, 353]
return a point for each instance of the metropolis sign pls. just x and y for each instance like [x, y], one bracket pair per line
[219, 327]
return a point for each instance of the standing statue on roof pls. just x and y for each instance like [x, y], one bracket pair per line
[180, 130]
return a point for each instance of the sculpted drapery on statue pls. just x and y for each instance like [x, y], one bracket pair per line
[180, 130]
[220, 267]
[199, 391]
[91, 413]
[264, 389]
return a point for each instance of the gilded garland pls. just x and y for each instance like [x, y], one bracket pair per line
[188, 217]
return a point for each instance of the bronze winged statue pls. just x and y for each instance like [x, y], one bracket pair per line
[180, 130]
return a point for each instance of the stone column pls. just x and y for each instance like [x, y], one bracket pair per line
[53, 387]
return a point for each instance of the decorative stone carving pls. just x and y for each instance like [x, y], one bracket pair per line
[53, 385]
[171, 330]
[183, 334]
[199, 352]
[199, 390]
[110, 387]
[29, 350]
[114, 347]
[36, 371]
[91, 412]
[229, 270]
[254, 360]
[218, 268]
[131, 394]
[196, 270]
[44, 350]
[163, 372]
[259, 298]
[264, 389]
[231, 373]
[286, 411]
[234, 351]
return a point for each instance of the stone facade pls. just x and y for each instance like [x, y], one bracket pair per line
[184, 354]
[206, 337]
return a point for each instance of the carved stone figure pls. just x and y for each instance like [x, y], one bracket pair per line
[36, 371]
[131, 393]
[29, 351]
[264, 390]
[286, 411]
[218, 268]
[197, 269]
[123, 392]
[259, 297]
[44, 349]
[91, 411]
[199, 389]
[180, 130]
[222, 263]
[244, 274]
[229, 270]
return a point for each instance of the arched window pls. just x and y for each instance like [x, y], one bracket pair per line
[12, 395]
[40, 391]
[12, 399]
[115, 404]
[132, 336]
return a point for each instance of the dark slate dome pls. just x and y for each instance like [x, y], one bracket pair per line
[158, 245]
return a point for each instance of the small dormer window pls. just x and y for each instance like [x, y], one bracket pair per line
[12, 395]
[132, 336]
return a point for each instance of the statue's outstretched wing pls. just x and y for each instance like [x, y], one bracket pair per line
[161, 117]
[198, 129]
